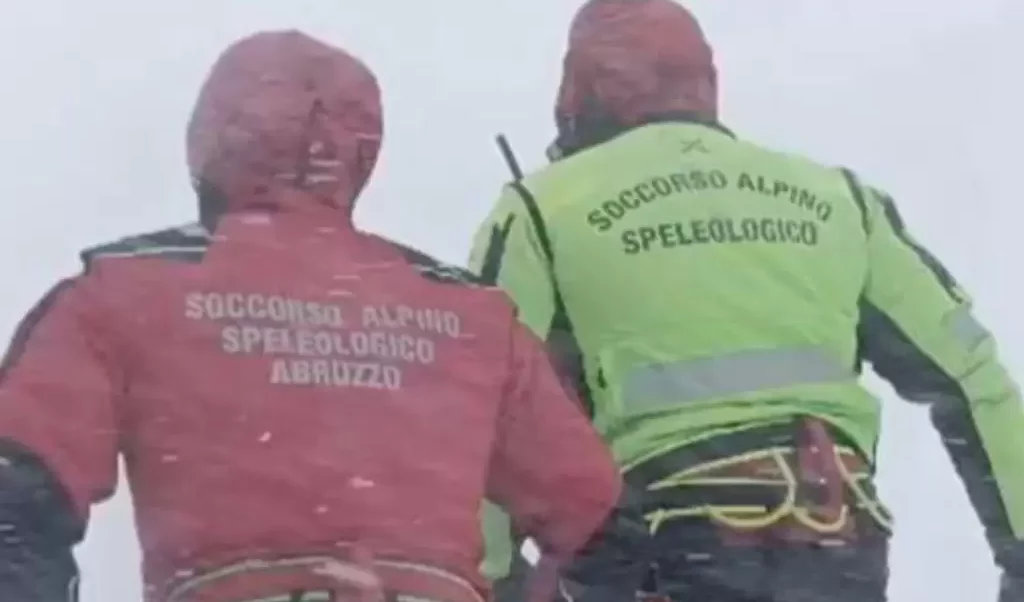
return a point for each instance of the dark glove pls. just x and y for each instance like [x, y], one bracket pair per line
[1008, 554]
[615, 563]
[1011, 588]
[38, 529]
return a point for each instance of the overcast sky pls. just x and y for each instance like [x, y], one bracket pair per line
[923, 98]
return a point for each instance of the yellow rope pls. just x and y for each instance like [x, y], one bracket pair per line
[785, 508]
[872, 506]
[683, 477]
[662, 515]
[733, 516]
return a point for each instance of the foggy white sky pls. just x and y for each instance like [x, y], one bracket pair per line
[922, 97]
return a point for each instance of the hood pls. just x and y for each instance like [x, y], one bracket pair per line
[629, 61]
[284, 123]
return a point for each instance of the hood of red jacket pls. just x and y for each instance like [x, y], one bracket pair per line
[284, 123]
[629, 60]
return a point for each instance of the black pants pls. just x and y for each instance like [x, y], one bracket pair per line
[695, 565]
[698, 561]
[694, 560]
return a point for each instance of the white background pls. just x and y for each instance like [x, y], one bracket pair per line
[921, 97]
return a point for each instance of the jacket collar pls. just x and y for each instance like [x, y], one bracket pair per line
[566, 146]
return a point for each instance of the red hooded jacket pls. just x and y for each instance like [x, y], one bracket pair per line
[282, 386]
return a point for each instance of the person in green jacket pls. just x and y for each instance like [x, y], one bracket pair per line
[714, 302]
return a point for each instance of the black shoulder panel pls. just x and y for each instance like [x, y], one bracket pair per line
[187, 243]
[436, 270]
[24, 330]
[857, 192]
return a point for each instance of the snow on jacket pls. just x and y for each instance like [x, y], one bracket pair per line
[281, 384]
[705, 285]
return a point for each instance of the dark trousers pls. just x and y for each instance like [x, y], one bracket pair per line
[793, 560]
[695, 564]
[697, 560]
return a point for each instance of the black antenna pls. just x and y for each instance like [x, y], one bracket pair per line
[510, 157]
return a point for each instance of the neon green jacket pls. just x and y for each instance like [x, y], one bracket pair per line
[710, 284]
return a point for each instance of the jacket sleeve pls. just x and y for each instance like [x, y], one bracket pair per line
[508, 251]
[550, 470]
[513, 250]
[919, 333]
[58, 440]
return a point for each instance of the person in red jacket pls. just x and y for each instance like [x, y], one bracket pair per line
[305, 410]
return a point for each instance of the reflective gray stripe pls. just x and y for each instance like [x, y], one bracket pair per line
[647, 387]
[433, 571]
[192, 583]
[966, 328]
[149, 251]
[319, 596]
